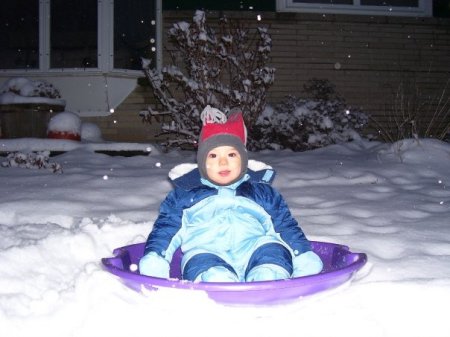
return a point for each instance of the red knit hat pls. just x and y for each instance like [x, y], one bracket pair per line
[233, 126]
[219, 131]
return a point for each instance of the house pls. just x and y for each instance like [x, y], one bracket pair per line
[90, 50]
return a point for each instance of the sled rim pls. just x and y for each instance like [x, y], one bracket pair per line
[338, 269]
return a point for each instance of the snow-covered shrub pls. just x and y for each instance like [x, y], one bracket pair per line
[302, 124]
[225, 69]
[27, 88]
[32, 160]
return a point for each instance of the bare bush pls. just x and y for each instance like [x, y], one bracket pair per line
[225, 69]
[416, 113]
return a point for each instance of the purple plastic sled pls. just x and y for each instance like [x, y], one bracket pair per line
[340, 266]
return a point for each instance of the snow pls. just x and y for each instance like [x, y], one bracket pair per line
[20, 90]
[32, 144]
[91, 132]
[390, 201]
[65, 121]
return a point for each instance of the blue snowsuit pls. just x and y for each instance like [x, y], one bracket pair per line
[237, 227]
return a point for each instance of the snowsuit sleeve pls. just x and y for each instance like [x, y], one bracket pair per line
[162, 239]
[283, 221]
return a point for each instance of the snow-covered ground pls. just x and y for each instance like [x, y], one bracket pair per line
[389, 201]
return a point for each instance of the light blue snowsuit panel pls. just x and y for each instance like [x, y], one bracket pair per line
[230, 222]
[231, 227]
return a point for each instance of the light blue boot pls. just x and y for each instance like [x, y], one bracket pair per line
[267, 272]
[217, 274]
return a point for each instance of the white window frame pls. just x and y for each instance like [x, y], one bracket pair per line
[425, 8]
[105, 43]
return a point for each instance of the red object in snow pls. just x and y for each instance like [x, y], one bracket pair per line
[63, 135]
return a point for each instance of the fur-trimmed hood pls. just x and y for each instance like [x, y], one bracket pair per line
[187, 175]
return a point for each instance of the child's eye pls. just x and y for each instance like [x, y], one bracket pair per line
[212, 155]
[232, 154]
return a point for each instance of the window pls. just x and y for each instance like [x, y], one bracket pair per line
[134, 33]
[214, 5]
[369, 7]
[19, 34]
[73, 34]
[82, 35]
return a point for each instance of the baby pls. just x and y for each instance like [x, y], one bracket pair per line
[231, 225]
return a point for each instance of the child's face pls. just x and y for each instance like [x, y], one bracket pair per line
[223, 164]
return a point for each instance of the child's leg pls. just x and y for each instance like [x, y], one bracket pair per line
[271, 261]
[208, 267]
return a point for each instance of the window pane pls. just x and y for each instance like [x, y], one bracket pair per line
[398, 3]
[328, 2]
[232, 5]
[73, 34]
[134, 33]
[19, 37]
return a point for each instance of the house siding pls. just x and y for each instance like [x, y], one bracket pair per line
[367, 58]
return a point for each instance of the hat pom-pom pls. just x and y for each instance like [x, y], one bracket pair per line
[212, 115]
